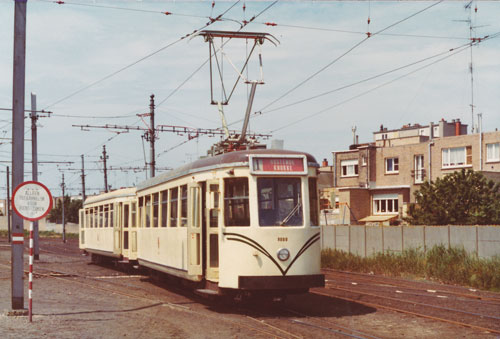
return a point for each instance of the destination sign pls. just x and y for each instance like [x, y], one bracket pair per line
[31, 200]
[278, 164]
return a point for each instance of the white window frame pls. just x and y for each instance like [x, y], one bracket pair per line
[352, 168]
[493, 152]
[451, 158]
[395, 165]
[387, 202]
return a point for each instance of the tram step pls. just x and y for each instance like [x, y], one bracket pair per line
[206, 292]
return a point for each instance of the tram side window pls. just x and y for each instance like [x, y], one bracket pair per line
[111, 215]
[147, 212]
[184, 205]
[236, 202]
[164, 208]
[313, 202]
[125, 215]
[156, 202]
[174, 195]
[141, 211]
[105, 210]
[101, 223]
[133, 212]
[87, 218]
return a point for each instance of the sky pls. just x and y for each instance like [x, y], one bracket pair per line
[97, 62]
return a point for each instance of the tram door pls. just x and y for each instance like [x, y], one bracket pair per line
[125, 218]
[212, 214]
[116, 222]
[194, 230]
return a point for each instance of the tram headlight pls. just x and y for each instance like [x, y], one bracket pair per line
[283, 254]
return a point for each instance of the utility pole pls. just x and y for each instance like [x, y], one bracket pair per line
[152, 133]
[34, 169]
[18, 89]
[8, 204]
[104, 157]
[83, 181]
[63, 221]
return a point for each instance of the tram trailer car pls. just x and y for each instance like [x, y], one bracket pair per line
[241, 223]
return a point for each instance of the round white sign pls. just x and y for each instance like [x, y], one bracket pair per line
[32, 200]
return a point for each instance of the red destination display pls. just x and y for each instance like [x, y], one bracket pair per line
[263, 165]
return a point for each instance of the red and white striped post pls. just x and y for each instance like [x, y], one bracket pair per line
[30, 287]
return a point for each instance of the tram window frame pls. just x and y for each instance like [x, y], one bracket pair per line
[133, 213]
[184, 205]
[274, 204]
[313, 202]
[156, 207]
[140, 211]
[164, 208]
[236, 202]
[147, 210]
[99, 216]
[174, 202]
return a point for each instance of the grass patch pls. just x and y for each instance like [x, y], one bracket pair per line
[452, 265]
[43, 234]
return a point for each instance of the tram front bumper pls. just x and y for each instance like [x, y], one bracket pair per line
[281, 282]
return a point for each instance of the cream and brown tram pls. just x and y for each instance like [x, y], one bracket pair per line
[245, 221]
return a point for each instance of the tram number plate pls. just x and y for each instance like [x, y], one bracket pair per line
[282, 239]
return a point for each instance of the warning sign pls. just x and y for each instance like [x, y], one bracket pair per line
[31, 200]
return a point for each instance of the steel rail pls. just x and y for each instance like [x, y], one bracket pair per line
[421, 315]
[372, 277]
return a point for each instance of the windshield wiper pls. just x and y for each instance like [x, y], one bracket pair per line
[292, 212]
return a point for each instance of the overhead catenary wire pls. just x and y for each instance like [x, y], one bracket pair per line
[465, 48]
[346, 53]
[139, 60]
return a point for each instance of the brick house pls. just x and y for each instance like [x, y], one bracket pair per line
[375, 182]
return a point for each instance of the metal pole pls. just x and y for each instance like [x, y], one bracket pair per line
[18, 89]
[152, 134]
[30, 276]
[63, 221]
[83, 180]
[103, 158]
[8, 204]
[34, 167]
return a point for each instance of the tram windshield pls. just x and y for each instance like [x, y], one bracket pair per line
[280, 202]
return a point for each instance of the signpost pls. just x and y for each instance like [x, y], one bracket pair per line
[32, 201]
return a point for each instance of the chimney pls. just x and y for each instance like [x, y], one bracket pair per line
[457, 127]
[324, 163]
[431, 130]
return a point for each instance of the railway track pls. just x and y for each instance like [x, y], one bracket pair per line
[376, 295]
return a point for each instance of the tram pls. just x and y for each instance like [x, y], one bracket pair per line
[244, 222]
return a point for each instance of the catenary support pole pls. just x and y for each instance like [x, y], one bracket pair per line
[152, 133]
[18, 89]
[83, 180]
[34, 167]
[63, 221]
[104, 157]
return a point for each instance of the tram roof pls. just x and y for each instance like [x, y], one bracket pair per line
[232, 159]
[119, 193]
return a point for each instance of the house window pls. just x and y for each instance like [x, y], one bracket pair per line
[493, 152]
[392, 165]
[385, 204]
[457, 156]
[349, 168]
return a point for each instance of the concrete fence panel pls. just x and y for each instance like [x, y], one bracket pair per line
[342, 238]
[392, 239]
[463, 237]
[413, 237]
[357, 240]
[488, 241]
[374, 243]
[436, 235]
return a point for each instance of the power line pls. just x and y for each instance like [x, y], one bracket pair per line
[347, 52]
[368, 91]
[141, 59]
